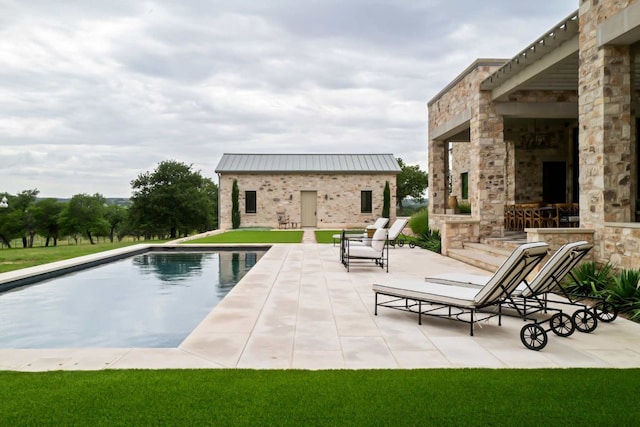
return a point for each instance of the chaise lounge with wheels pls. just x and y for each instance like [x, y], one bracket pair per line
[531, 297]
[396, 230]
[458, 300]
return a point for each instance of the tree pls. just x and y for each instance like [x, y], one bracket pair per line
[235, 205]
[116, 217]
[386, 203]
[210, 189]
[10, 221]
[24, 203]
[410, 182]
[172, 199]
[84, 215]
[47, 214]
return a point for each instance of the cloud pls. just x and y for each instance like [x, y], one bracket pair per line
[94, 94]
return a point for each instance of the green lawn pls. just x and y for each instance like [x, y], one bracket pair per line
[456, 397]
[17, 258]
[326, 236]
[253, 236]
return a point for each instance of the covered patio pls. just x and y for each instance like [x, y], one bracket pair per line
[544, 139]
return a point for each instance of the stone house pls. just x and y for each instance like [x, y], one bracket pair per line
[557, 122]
[307, 190]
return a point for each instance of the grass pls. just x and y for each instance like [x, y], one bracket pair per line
[253, 236]
[293, 398]
[326, 236]
[17, 258]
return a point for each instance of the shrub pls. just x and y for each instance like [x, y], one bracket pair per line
[624, 292]
[235, 205]
[589, 279]
[430, 240]
[419, 222]
[386, 203]
[464, 208]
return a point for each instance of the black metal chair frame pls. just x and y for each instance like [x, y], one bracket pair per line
[346, 257]
[475, 313]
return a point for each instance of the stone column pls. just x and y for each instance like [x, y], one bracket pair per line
[487, 167]
[607, 129]
[437, 176]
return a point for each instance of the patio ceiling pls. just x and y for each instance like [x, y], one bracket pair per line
[552, 61]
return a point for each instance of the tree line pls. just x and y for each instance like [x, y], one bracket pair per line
[169, 202]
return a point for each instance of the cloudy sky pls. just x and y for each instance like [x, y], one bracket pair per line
[94, 93]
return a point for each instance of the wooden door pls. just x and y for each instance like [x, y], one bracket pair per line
[308, 208]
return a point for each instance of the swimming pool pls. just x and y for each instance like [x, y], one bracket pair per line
[153, 299]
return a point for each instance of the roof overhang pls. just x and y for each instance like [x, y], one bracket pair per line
[550, 63]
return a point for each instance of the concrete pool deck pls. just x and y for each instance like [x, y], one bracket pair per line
[298, 308]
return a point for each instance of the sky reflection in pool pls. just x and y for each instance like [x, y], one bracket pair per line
[150, 300]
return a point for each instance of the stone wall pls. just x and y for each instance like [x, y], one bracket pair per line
[619, 244]
[338, 198]
[557, 237]
[607, 137]
[461, 98]
[460, 163]
[533, 143]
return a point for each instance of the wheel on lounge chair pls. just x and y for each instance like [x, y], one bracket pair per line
[585, 320]
[605, 311]
[533, 336]
[562, 325]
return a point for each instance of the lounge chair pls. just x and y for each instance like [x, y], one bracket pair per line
[395, 230]
[463, 302]
[379, 223]
[378, 251]
[531, 297]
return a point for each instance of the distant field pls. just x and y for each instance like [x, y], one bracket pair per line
[18, 257]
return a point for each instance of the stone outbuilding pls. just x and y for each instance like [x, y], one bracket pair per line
[555, 123]
[306, 190]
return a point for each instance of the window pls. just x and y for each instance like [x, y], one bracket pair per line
[366, 205]
[464, 182]
[250, 201]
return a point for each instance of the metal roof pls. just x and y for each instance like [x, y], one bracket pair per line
[329, 163]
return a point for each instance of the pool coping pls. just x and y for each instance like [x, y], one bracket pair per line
[298, 308]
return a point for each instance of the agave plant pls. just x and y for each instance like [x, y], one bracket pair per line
[624, 293]
[589, 279]
[430, 240]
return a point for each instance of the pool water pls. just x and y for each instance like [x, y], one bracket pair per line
[149, 300]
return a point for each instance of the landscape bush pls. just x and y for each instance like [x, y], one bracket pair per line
[621, 289]
[430, 240]
[419, 222]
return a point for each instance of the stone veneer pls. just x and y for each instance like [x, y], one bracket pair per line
[338, 198]
[607, 139]
[486, 148]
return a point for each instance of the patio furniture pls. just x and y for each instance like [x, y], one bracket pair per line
[531, 297]
[378, 251]
[379, 223]
[568, 214]
[283, 220]
[395, 233]
[458, 300]
[510, 217]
